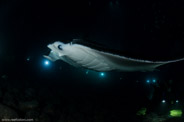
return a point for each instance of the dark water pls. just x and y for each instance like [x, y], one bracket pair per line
[151, 30]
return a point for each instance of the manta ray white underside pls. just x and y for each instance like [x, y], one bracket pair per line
[83, 56]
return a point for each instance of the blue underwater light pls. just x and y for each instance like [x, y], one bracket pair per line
[154, 81]
[163, 101]
[46, 63]
[148, 81]
[102, 74]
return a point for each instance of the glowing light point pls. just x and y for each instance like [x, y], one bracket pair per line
[154, 81]
[46, 63]
[102, 74]
[177, 101]
[148, 81]
[163, 101]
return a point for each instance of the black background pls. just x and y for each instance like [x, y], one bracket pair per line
[152, 30]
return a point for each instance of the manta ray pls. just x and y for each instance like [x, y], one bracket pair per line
[79, 55]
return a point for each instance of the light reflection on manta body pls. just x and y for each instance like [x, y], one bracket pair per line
[79, 55]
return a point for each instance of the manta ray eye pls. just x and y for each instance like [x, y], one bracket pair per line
[60, 47]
